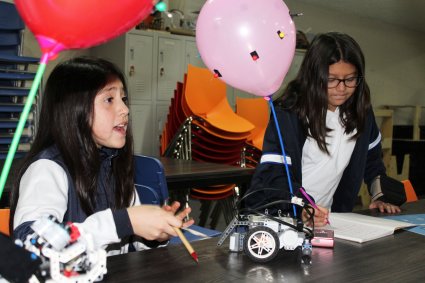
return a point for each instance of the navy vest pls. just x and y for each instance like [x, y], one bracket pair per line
[105, 186]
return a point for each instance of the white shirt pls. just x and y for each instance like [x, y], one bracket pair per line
[43, 191]
[321, 172]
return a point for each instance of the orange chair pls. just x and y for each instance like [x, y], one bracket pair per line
[183, 103]
[4, 221]
[206, 97]
[255, 110]
[219, 132]
[410, 192]
[178, 110]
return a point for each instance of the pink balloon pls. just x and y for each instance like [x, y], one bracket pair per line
[249, 44]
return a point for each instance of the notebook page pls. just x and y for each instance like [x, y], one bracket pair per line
[361, 228]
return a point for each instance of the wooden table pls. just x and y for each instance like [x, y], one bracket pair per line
[181, 174]
[396, 258]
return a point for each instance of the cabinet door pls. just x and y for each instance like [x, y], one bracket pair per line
[162, 110]
[142, 126]
[192, 55]
[170, 66]
[139, 67]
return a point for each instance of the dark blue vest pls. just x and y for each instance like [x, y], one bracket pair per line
[105, 189]
[104, 196]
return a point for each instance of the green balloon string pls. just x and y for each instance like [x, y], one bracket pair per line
[21, 124]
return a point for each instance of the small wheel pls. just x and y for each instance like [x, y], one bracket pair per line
[261, 244]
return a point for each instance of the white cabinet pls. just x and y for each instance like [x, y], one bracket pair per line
[170, 66]
[139, 64]
[153, 62]
[192, 55]
[142, 118]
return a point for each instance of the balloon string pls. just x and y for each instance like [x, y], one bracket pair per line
[283, 151]
[22, 121]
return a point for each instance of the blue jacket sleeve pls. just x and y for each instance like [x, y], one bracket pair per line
[23, 230]
[374, 164]
[270, 180]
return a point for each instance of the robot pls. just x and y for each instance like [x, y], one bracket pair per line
[67, 253]
[260, 235]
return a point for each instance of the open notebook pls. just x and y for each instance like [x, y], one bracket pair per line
[362, 228]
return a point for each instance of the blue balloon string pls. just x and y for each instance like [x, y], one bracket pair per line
[283, 151]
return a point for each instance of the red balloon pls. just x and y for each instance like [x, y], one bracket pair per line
[73, 24]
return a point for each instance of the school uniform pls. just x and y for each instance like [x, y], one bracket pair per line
[46, 188]
[365, 164]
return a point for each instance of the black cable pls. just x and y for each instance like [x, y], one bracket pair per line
[260, 190]
[307, 208]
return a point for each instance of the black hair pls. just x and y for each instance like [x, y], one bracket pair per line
[65, 121]
[307, 93]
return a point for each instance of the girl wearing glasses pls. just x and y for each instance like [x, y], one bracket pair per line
[331, 139]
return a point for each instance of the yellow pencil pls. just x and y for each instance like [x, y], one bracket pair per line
[186, 244]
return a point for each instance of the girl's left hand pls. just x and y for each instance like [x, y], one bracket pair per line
[384, 207]
[174, 207]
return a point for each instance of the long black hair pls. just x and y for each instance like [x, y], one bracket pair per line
[307, 94]
[65, 121]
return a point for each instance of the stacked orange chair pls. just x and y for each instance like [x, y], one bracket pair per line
[213, 120]
[202, 126]
[255, 110]
[175, 119]
[218, 135]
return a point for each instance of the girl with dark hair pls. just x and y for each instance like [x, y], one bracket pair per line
[330, 136]
[80, 165]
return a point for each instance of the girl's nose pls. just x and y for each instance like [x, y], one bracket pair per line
[341, 85]
[124, 110]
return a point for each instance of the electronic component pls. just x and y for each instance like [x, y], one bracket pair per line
[264, 236]
[66, 251]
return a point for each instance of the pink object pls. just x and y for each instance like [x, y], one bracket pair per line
[251, 43]
[323, 238]
[74, 24]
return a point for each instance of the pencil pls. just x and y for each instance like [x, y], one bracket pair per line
[311, 202]
[186, 244]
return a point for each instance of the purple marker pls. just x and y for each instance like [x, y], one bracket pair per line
[311, 202]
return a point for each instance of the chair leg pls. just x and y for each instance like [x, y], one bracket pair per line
[229, 212]
[215, 215]
[205, 211]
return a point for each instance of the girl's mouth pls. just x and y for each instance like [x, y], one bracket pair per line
[122, 128]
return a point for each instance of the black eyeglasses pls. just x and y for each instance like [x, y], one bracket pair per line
[348, 82]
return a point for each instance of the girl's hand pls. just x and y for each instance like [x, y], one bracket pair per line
[384, 207]
[174, 207]
[320, 216]
[153, 222]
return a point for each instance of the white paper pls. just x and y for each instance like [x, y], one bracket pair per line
[362, 228]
